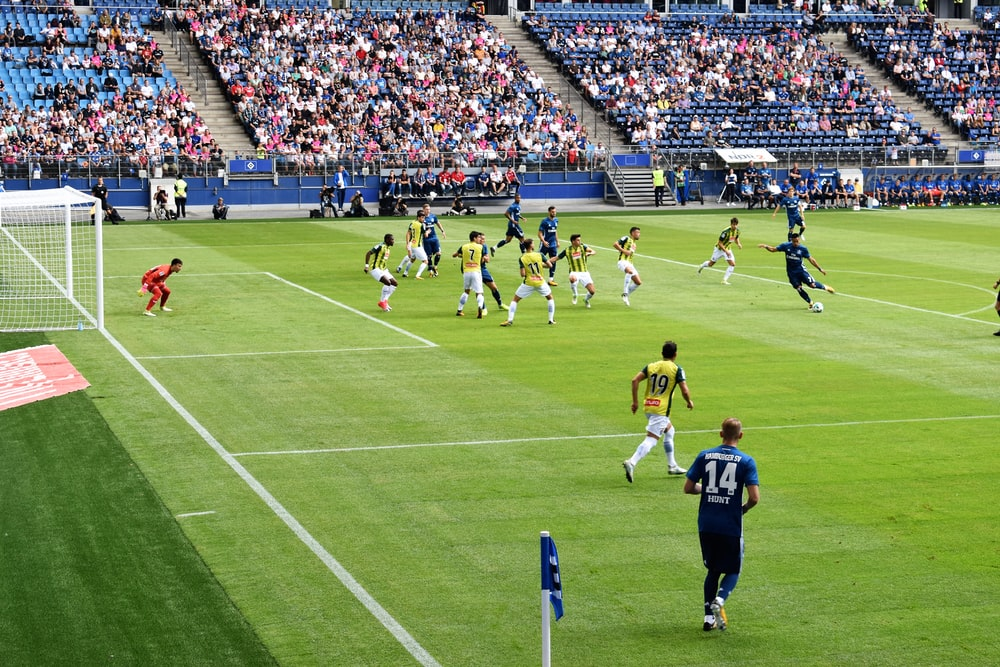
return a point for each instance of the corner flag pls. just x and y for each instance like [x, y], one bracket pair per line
[551, 581]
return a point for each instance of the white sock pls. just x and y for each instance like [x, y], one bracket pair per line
[628, 281]
[462, 300]
[480, 301]
[729, 272]
[704, 265]
[423, 265]
[631, 288]
[511, 310]
[668, 446]
[574, 289]
[552, 310]
[644, 448]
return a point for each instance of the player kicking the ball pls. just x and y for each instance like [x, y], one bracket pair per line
[795, 252]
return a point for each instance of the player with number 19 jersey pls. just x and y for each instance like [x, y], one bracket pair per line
[662, 377]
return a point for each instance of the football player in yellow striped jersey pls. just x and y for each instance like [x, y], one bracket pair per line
[414, 247]
[576, 256]
[661, 377]
[723, 249]
[376, 259]
[626, 247]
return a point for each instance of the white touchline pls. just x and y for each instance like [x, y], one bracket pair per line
[345, 577]
[843, 294]
[508, 441]
[187, 514]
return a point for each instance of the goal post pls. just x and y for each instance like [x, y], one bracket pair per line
[51, 261]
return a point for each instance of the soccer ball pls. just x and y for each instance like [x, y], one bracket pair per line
[817, 307]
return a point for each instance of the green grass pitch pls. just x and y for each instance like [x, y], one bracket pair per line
[277, 471]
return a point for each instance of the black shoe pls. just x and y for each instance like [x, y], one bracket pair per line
[997, 333]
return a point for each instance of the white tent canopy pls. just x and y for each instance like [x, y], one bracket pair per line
[739, 156]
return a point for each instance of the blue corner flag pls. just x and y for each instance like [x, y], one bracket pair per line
[551, 581]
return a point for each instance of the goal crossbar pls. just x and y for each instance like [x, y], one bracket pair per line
[51, 260]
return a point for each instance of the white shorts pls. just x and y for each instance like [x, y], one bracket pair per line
[524, 291]
[723, 254]
[377, 274]
[582, 276]
[657, 424]
[625, 266]
[418, 253]
[472, 281]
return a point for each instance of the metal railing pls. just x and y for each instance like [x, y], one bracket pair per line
[190, 56]
[552, 165]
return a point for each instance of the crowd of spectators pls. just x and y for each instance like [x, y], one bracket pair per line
[388, 89]
[662, 77]
[408, 87]
[102, 106]
[956, 72]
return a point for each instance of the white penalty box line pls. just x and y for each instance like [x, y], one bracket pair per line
[424, 343]
[606, 436]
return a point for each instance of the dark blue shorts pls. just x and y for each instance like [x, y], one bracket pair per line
[722, 553]
[515, 231]
[432, 246]
[799, 278]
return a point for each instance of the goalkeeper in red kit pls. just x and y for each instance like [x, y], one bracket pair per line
[154, 282]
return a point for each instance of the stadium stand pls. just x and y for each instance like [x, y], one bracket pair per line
[701, 80]
[89, 95]
[953, 72]
[387, 86]
[393, 86]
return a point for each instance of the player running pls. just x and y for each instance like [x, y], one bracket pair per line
[793, 209]
[626, 247]
[723, 249]
[514, 231]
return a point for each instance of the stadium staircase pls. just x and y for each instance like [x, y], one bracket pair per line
[186, 64]
[926, 117]
[629, 186]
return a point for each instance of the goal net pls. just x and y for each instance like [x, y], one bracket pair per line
[51, 262]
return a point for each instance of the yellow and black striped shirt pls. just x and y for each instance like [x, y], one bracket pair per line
[576, 257]
[379, 256]
[626, 243]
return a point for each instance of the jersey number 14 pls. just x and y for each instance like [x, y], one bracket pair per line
[727, 480]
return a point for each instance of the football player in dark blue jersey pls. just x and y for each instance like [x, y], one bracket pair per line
[793, 209]
[720, 476]
[795, 253]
